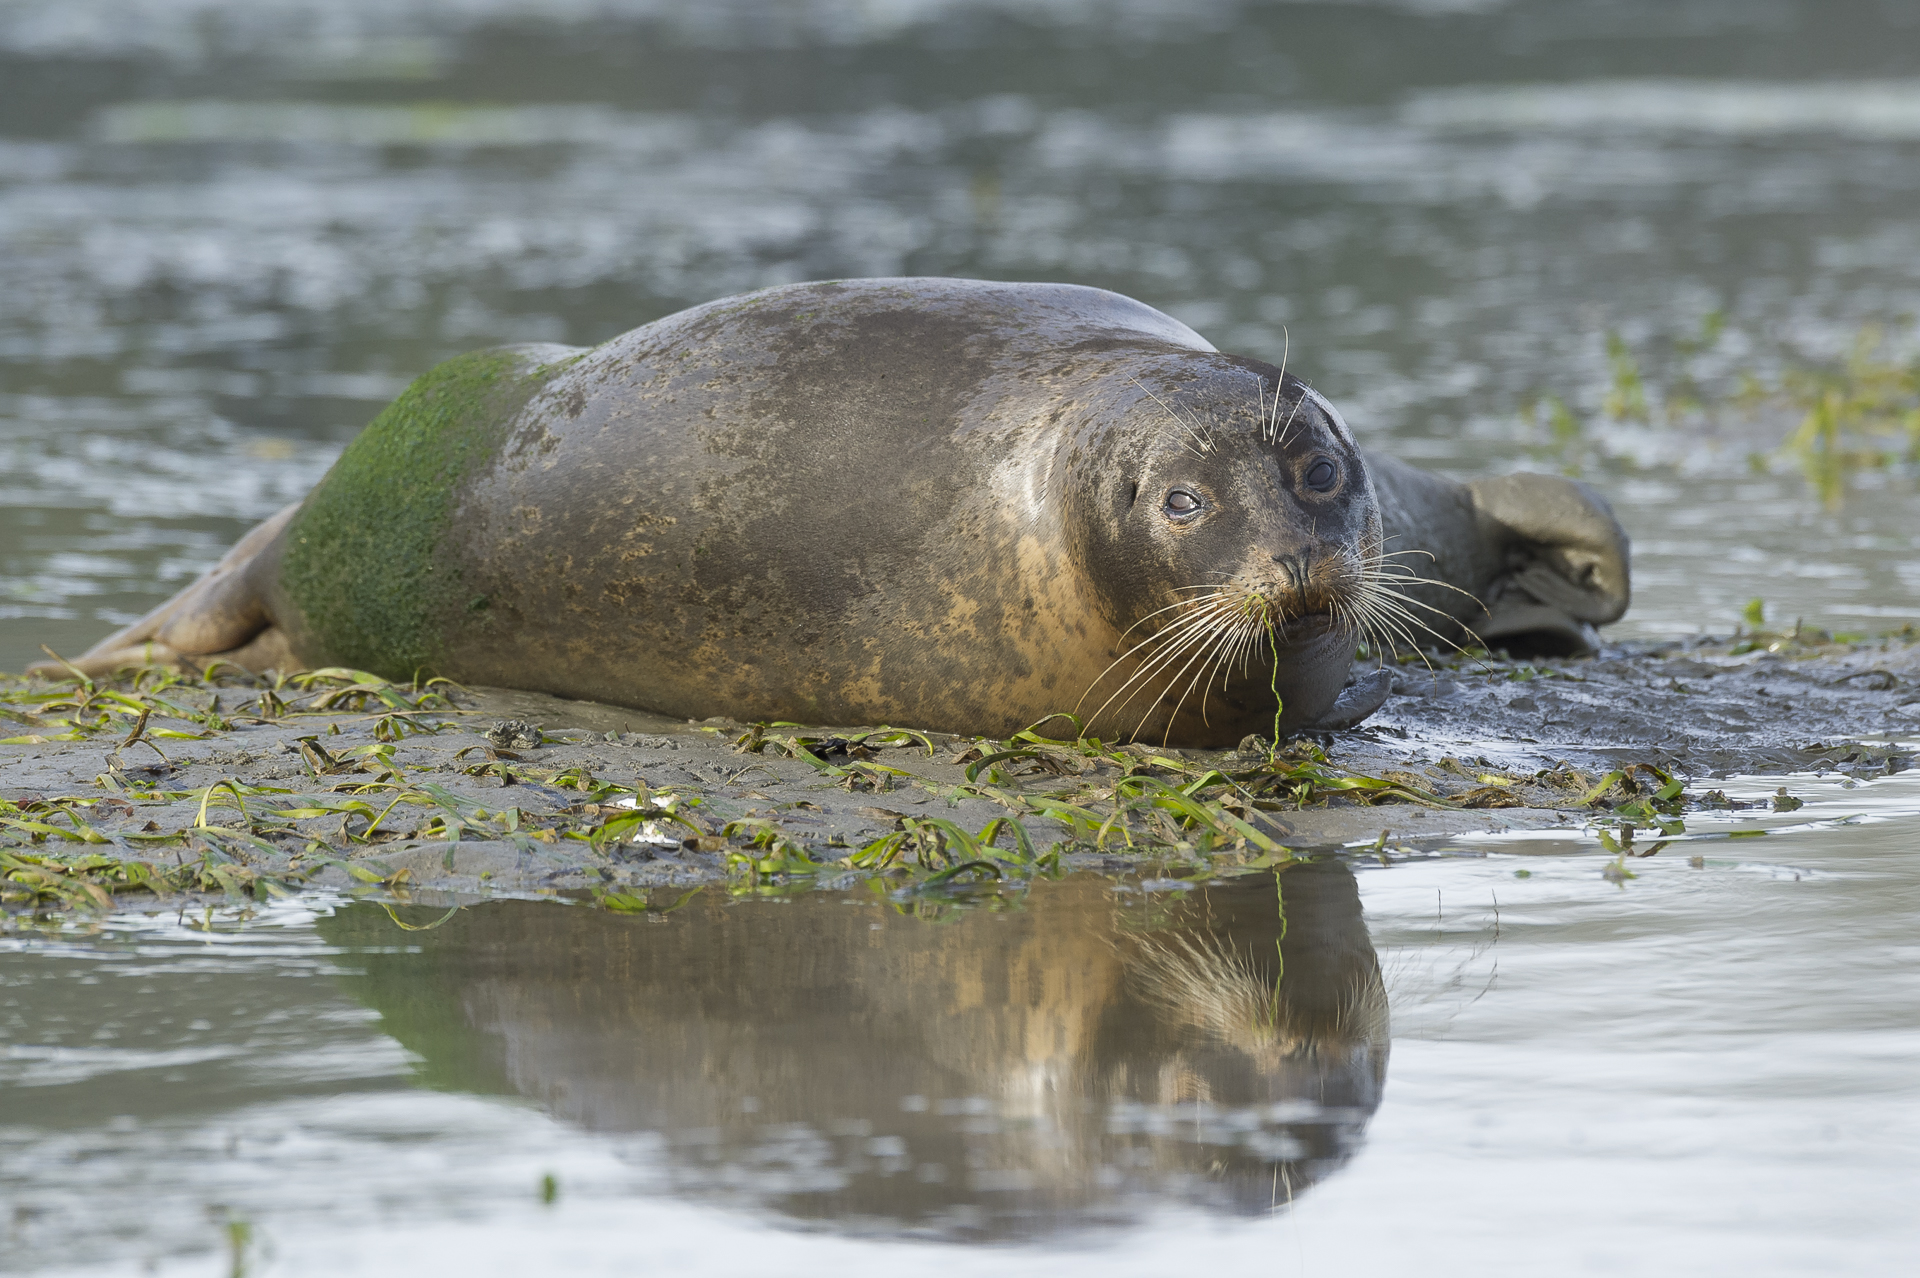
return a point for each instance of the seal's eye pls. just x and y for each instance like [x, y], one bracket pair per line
[1181, 504]
[1321, 475]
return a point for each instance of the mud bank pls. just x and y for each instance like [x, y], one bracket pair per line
[340, 780]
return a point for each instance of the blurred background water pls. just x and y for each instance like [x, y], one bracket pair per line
[230, 230]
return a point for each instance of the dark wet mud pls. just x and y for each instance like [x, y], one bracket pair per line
[1710, 707]
[511, 792]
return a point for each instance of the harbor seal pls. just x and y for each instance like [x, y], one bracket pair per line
[947, 504]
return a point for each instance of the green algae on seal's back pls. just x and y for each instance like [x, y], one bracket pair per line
[367, 569]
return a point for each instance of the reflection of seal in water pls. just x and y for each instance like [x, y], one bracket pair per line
[942, 503]
[1009, 1073]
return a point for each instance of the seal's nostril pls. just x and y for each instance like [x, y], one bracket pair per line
[1295, 570]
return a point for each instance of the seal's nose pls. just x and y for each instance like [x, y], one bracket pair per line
[1296, 570]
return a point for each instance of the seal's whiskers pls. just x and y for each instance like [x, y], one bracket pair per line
[1381, 608]
[1280, 441]
[1244, 640]
[1197, 654]
[1220, 629]
[1286, 350]
[1216, 654]
[1157, 640]
[1184, 638]
[1169, 646]
[1406, 575]
[1195, 430]
[1269, 417]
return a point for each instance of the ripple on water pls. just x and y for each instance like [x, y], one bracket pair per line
[1698, 1061]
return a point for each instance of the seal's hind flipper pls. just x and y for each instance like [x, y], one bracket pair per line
[1357, 701]
[1518, 623]
[221, 616]
[1576, 553]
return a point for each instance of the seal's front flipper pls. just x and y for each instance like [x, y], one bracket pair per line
[221, 616]
[1357, 700]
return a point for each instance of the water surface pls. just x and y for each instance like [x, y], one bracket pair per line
[1491, 1053]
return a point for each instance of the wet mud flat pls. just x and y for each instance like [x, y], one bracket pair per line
[1764, 704]
[174, 785]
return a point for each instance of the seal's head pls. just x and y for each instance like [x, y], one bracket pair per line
[1238, 549]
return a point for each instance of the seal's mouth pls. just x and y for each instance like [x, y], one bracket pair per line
[1191, 650]
[1312, 625]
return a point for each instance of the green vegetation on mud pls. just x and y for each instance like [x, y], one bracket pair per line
[367, 562]
[1219, 813]
[362, 777]
[1829, 420]
[63, 851]
[75, 850]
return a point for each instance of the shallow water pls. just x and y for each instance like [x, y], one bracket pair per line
[230, 231]
[1509, 1061]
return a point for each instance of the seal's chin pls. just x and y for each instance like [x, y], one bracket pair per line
[1307, 629]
